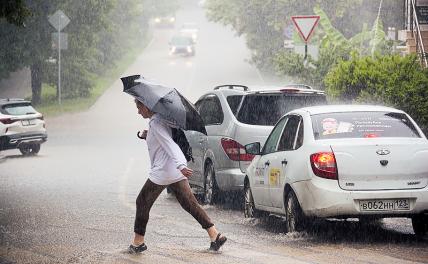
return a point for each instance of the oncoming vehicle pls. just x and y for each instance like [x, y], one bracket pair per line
[164, 21]
[181, 44]
[340, 161]
[21, 126]
[234, 116]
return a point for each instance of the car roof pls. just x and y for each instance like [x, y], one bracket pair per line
[6, 101]
[287, 88]
[321, 109]
[234, 89]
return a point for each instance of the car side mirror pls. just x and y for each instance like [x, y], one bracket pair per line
[253, 148]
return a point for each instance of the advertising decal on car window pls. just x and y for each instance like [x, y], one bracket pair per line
[363, 125]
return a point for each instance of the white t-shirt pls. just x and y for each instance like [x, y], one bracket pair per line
[166, 157]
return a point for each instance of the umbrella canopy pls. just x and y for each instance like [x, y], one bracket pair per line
[166, 101]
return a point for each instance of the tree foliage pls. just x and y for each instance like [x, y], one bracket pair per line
[392, 80]
[99, 33]
[14, 11]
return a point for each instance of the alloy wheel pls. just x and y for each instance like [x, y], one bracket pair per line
[209, 186]
[248, 203]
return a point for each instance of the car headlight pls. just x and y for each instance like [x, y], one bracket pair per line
[157, 20]
[172, 19]
[173, 49]
[194, 36]
[189, 49]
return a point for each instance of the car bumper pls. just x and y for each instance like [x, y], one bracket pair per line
[181, 51]
[15, 140]
[324, 198]
[230, 179]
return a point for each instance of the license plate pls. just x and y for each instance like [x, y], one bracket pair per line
[28, 122]
[385, 205]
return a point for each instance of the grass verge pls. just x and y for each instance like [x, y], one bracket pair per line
[50, 107]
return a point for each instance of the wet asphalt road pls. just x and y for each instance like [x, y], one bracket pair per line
[74, 202]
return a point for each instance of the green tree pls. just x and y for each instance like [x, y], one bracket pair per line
[29, 45]
[100, 31]
[262, 22]
[14, 11]
[391, 80]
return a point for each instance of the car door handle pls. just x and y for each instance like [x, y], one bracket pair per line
[267, 163]
[284, 162]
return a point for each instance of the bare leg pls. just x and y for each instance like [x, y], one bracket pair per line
[212, 232]
[138, 239]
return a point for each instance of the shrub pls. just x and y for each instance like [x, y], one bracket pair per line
[390, 80]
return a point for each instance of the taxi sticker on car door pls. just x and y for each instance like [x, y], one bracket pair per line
[274, 174]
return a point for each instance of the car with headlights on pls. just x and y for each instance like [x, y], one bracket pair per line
[340, 161]
[21, 126]
[182, 44]
[235, 115]
[167, 21]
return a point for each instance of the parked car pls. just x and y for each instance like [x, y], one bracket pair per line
[235, 116]
[182, 44]
[191, 30]
[340, 161]
[21, 126]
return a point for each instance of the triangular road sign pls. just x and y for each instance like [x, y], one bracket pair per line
[305, 25]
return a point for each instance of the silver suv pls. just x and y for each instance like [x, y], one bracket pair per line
[235, 116]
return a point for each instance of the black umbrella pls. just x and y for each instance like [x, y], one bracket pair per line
[166, 101]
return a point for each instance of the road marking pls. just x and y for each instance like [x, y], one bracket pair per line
[123, 182]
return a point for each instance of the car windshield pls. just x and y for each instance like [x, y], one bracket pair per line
[181, 41]
[266, 109]
[363, 125]
[18, 109]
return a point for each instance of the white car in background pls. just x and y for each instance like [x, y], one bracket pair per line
[21, 126]
[340, 161]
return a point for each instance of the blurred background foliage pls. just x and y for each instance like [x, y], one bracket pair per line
[356, 62]
[98, 36]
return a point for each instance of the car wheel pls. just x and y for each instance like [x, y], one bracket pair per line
[210, 186]
[25, 150]
[32, 149]
[250, 210]
[35, 149]
[420, 225]
[294, 217]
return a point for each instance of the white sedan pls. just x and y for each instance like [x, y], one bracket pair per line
[340, 161]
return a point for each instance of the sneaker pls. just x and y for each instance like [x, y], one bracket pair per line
[134, 250]
[219, 241]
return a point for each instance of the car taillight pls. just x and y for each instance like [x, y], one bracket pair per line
[41, 118]
[324, 165]
[235, 151]
[6, 121]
